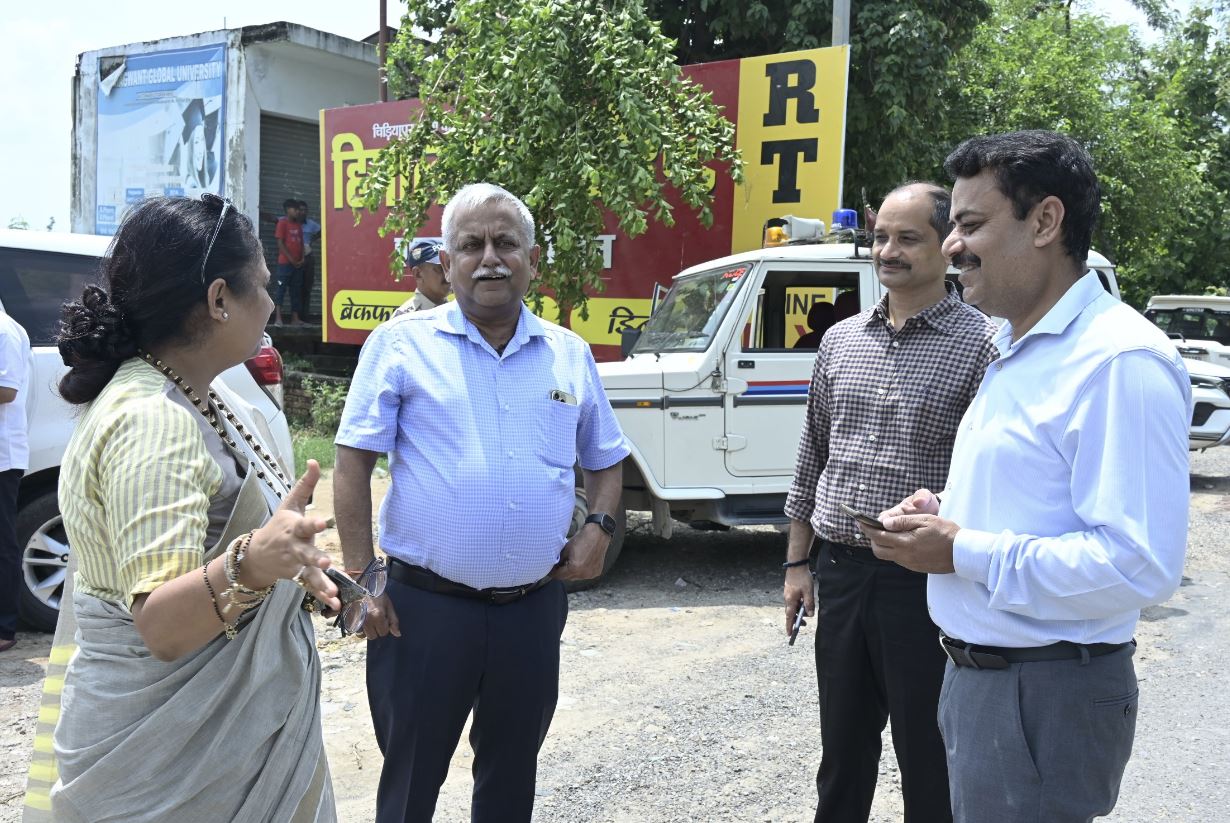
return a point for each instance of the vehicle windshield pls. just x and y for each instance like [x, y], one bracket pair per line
[1193, 323]
[691, 312]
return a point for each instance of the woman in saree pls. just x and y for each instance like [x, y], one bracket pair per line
[193, 693]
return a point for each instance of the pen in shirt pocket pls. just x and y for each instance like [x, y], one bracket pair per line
[563, 397]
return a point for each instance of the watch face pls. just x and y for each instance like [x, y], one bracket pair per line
[604, 521]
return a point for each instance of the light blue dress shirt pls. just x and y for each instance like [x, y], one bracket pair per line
[480, 455]
[1069, 478]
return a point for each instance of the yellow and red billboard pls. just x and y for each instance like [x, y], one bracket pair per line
[789, 112]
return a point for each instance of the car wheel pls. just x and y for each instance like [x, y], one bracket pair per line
[579, 512]
[44, 561]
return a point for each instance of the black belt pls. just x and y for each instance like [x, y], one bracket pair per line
[1000, 657]
[427, 580]
[859, 554]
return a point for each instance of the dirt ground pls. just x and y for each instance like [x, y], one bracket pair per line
[680, 700]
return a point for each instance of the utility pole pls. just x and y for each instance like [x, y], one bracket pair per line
[382, 42]
[841, 22]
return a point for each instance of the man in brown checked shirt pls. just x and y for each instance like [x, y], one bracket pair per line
[887, 394]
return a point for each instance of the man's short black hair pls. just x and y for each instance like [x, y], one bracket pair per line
[290, 203]
[941, 200]
[1032, 165]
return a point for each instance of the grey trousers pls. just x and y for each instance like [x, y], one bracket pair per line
[1042, 742]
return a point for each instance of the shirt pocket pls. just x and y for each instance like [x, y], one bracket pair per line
[558, 434]
[931, 414]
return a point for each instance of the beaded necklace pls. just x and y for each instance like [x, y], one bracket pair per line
[210, 411]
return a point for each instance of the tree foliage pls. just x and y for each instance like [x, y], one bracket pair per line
[576, 106]
[900, 54]
[1189, 81]
[1039, 65]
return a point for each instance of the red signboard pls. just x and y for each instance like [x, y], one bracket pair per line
[789, 111]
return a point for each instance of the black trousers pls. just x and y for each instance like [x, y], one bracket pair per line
[10, 553]
[309, 280]
[456, 655]
[877, 656]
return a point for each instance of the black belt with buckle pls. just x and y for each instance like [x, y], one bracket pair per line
[427, 580]
[1001, 657]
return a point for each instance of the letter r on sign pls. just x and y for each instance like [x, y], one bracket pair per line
[781, 90]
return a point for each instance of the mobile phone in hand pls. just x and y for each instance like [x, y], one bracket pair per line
[866, 519]
[799, 622]
[348, 591]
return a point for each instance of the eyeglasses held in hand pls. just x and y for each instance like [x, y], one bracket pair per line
[213, 238]
[354, 615]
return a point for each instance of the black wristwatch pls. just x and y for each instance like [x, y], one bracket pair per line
[604, 521]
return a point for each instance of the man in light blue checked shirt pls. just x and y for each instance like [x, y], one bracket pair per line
[483, 409]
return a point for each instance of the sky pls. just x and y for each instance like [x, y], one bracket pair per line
[43, 38]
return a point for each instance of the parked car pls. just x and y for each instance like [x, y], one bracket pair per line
[38, 272]
[1199, 325]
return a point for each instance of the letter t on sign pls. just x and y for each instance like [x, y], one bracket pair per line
[788, 151]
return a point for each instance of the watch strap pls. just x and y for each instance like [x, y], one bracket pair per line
[605, 522]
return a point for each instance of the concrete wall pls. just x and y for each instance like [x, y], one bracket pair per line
[280, 68]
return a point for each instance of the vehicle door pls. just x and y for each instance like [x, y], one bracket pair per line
[796, 304]
[34, 285]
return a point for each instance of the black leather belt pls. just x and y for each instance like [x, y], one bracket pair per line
[1001, 657]
[427, 580]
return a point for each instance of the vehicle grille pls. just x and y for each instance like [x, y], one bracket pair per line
[1202, 413]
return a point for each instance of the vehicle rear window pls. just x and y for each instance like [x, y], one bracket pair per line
[35, 284]
[1193, 323]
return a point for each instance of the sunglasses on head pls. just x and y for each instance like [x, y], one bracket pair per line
[227, 205]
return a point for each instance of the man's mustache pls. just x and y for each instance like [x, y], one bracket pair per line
[966, 260]
[492, 272]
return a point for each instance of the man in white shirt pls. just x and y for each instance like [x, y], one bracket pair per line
[14, 459]
[1065, 510]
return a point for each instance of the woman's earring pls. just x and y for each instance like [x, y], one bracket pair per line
[225, 316]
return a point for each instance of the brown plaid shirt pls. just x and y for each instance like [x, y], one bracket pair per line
[883, 410]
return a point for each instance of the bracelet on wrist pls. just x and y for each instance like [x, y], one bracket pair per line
[213, 598]
[231, 565]
[791, 564]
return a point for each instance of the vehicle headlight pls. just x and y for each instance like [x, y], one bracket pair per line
[1201, 381]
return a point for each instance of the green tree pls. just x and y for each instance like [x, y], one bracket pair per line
[1188, 77]
[899, 91]
[577, 106]
[1038, 65]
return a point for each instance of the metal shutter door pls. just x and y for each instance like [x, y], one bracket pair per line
[290, 167]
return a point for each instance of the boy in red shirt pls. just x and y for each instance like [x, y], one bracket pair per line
[290, 263]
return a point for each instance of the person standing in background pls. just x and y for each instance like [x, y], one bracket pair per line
[431, 286]
[311, 230]
[289, 275]
[14, 460]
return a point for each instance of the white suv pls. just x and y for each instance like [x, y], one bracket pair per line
[1199, 325]
[39, 271]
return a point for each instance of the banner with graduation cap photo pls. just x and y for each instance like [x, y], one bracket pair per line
[160, 128]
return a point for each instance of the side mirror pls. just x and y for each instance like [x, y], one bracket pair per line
[627, 339]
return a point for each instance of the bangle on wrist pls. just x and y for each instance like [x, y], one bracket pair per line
[213, 598]
[231, 565]
[791, 564]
